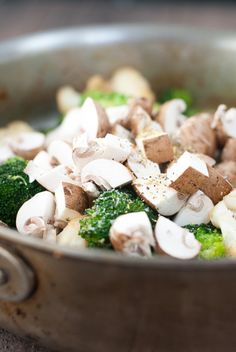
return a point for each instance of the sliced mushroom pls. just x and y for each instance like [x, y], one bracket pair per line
[216, 186]
[62, 152]
[229, 151]
[144, 103]
[228, 170]
[117, 114]
[195, 211]
[129, 81]
[156, 192]
[67, 99]
[188, 174]
[138, 120]
[106, 174]
[156, 147]
[122, 132]
[36, 215]
[207, 159]
[109, 147]
[141, 166]
[52, 178]
[70, 235]
[132, 235]
[196, 135]
[176, 241]
[5, 153]
[171, 116]
[27, 144]
[40, 165]
[91, 189]
[90, 118]
[71, 201]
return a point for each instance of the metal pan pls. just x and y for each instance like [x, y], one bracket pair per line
[97, 301]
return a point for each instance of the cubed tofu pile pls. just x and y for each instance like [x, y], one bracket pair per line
[182, 167]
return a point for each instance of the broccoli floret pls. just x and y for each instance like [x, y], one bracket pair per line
[179, 94]
[15, 189]
[211, 240]
[106, 99]
[107, 207]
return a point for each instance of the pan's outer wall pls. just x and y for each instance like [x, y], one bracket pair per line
[103, 305]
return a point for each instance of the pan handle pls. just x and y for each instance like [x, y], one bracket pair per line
[17, 279]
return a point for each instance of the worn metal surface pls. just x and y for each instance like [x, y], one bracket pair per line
[96, 301]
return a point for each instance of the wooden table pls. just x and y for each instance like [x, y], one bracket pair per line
[21, 17]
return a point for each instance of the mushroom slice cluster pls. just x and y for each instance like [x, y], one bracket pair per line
[195, 211]
[106, 174]
[71, 201]
[141, 166]
[175, 241]
[27, 144]
[188, 173]
[109, 147]
[132, 235]
[35, 217]
[156, 192]
[171, 116]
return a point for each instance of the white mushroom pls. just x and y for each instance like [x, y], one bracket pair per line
[40, 165]
[36, 215]
[62, 152]
[67, 99]
[188, 173]
[90, 118]
[171, 116]
[70, 235]
[122, 132]
[91, 189]
[132, 235]
[5, 153]
[117, 114]
[27, 144]
[141, 166]
[52, 178]
[176, 241]
[106, 174]
[138, 120]
[157, 193]
[226, 118]
[206, 158]
[71, 201]
[129, 81]
[109, 147]
[195, 211]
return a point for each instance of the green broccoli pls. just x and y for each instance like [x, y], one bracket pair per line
[107, 207]
[15, 189]
[211, 240]
[106, 99]
[179, 94]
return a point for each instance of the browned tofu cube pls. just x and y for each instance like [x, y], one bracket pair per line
[158, 148]
[189, 182]
[216, 186]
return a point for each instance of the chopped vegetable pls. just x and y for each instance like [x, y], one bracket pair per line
[106, 99]
[183, 94]
[211, 240]
[107, 207]
[15, 189]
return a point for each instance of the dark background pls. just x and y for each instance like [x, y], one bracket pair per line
[21, 17]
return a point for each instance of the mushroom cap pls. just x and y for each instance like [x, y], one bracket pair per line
[196, 135]
[109, 147]
[156, 192]
[141, 166]
[41, 207]
[70, 235]
[71, 200]
[228, 170]
[171, 116]
[106, 174]
[176, 241]
[132, 234]
[62, 152]
[67, 98]
[195, 211]
[27, 144]
[129, 81]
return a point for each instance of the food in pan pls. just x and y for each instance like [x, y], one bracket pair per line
[125, 170]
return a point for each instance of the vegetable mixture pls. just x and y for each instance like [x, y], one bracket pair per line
[126, 171]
